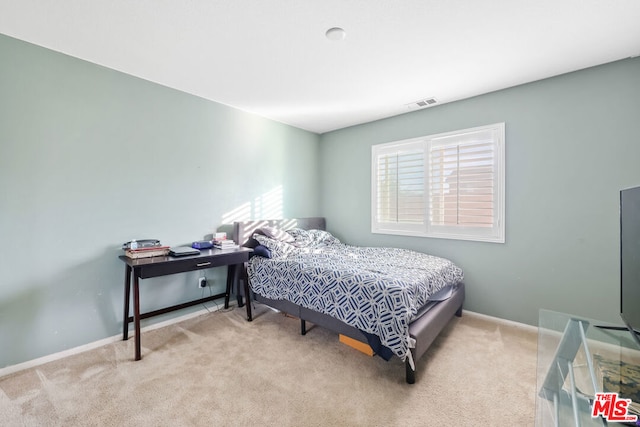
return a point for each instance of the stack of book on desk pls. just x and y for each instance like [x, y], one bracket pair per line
[144, 249]
[220, 241]
[147, 252]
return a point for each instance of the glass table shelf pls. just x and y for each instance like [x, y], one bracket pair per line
[577, 358]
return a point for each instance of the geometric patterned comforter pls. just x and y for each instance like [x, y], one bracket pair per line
[377, 290]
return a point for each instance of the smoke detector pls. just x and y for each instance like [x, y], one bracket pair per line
[336, 34]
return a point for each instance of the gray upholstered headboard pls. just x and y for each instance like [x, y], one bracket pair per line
[243, 230]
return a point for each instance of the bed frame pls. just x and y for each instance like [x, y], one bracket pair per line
[424, 329]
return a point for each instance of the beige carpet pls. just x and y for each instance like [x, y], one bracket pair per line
[220, 370]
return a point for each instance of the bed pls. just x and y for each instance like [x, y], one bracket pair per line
[395, 300]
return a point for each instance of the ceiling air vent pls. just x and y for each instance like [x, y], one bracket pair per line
[422, 103]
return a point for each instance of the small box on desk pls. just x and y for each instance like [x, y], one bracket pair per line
[202, 244]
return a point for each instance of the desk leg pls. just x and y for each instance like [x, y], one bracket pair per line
[231, 276]
[237, 279]
[247, 293]
[127, 296]
[136, 313]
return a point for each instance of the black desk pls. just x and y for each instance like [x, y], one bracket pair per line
[144, 268]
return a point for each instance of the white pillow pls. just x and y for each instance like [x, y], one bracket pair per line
[275, 233]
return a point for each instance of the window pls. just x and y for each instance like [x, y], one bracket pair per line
[449, 185]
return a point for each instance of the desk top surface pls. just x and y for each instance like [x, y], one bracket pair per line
[241, 253]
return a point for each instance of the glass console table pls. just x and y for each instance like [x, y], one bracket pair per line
[576, 360]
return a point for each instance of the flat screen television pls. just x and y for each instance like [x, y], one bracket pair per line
[630, 260]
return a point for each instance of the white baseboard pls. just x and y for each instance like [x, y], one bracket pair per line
[524, 326]
[96, 344]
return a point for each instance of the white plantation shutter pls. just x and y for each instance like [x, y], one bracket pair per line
[448, 185]
[401, 187]
[461, 174]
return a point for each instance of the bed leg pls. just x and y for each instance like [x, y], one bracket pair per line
[411, 374]
[303, 327]
[459, 312]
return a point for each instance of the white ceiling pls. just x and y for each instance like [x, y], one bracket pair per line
[271, 57]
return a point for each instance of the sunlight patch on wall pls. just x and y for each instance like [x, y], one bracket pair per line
[266, 206]
[269, 205]
[241, 213]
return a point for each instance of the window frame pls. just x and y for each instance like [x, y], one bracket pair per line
[494, 233]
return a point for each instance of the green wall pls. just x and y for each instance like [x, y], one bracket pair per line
[572, 142]
[91, 158]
